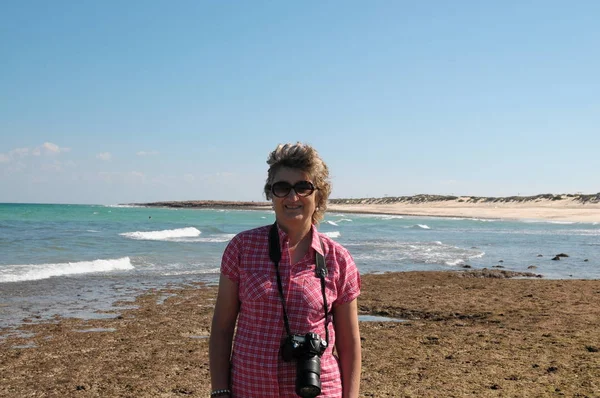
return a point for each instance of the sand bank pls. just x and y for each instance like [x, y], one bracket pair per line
[570, 207]
[564, 210]
[463, 336]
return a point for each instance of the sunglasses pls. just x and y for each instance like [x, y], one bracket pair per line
[282, 189]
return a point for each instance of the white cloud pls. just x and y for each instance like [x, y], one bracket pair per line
[20, 152]
[105, 156]
[41, 159]
[147, 153]
[49, 147]
[46, 148]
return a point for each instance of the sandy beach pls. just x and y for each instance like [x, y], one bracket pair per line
[564, 210]
[568, 207]
[463, 335]
[574, 208]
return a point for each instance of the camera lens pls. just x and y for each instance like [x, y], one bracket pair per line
[309, 392]
[308, 377]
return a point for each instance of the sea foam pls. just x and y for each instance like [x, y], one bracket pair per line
[30, 272]
[435, 252]
[212, 239]
[167, 234]
[385, 216]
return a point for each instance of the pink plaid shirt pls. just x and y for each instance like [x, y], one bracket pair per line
[257, 369]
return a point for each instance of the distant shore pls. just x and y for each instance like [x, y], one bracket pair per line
[552, 207]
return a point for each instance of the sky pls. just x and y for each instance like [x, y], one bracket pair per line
[108, 102]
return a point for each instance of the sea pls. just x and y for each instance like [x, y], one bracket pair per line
[91, 261]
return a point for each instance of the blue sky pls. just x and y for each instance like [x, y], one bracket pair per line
[116, 102]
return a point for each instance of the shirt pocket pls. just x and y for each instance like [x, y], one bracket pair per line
[256, 287]
[313, 296]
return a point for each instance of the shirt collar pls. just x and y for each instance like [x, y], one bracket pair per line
[316, 241]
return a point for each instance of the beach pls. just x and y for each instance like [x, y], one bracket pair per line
[556, 210]
[486, 312]
[461, 334]
[553, 207]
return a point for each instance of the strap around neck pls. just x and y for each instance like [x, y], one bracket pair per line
[320, 270]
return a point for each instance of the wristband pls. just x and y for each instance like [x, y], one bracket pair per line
[220, 393]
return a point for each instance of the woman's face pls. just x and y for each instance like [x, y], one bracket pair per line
[293, 212]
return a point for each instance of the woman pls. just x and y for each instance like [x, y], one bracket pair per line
[249, 293]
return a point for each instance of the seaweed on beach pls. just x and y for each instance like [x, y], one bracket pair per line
[461, 336]
[503, 274]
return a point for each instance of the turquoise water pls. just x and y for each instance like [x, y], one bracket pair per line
[74, 260]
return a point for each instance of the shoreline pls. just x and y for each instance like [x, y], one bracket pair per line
[559, 208]
[463, 334]
[583, 214]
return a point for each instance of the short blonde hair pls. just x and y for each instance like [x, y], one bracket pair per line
[305, 158]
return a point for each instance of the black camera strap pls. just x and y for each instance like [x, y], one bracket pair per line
[321, 271]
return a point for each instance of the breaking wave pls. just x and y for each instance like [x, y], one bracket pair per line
[31, 272]
[167, 234]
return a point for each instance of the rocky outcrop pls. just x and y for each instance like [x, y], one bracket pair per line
[208, 204]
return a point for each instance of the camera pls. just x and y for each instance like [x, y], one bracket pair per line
[307, 351]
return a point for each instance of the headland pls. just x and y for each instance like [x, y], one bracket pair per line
[552, 207]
